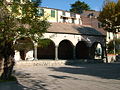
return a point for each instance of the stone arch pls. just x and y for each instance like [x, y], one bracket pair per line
[96, 51]
[65, 49]
[47, 50]
[24, 45]
[82, 50]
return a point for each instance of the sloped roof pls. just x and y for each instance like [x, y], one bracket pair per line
[86, 20]
[74, 29]
[86, 13]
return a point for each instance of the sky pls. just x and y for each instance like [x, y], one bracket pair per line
[65, 4]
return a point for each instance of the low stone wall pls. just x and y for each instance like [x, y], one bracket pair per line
[40, 63]
[54, 62]
[111, 58]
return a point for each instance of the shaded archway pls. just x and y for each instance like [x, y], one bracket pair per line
[24, 45]
[65, 50]
[82, 50]
[46, 50]
[96, 51]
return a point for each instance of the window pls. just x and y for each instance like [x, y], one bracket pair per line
[90, 15]
[52, 13]
[63, 13]
[99, 25]
[40, 12]
[65, 19]
[73, 15]
[73, 21]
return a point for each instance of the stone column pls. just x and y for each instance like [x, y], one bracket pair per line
[56, 52]
[35, 51]
[74, 53]
[89, 52]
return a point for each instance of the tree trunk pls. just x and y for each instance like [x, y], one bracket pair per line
[8, 56]
[1, 63]
[8, 67]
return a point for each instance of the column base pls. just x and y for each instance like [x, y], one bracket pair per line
[56, 58]
[35, 59]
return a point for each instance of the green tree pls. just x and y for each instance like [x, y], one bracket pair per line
[110, 19]
[110, 16]
[117, 13]
[79, 6]
[110, 46]
[37, 2]
[18, 20]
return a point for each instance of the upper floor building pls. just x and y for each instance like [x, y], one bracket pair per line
[89, 18]
[56, 15]
[59, 16]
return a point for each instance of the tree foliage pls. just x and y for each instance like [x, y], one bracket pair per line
[111, 46]
[110, 15]
[79, 6]
[18, 20]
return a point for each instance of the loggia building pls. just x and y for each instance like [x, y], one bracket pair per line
[70, 38]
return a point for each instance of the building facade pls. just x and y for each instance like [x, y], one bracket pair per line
[69, 39]
[59, 16]
[90, 18]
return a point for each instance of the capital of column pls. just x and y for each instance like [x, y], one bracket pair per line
[35, 44]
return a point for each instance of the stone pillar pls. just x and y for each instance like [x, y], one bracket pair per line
[35, 51]
[89, 52]
[17, 56]
[74, 53]
[56, 52]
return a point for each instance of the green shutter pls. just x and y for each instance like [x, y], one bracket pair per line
[52, 13]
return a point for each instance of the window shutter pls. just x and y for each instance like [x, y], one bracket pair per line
[52, 13]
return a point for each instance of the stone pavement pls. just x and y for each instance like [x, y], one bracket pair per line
[75, 77]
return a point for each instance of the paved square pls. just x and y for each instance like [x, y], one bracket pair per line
[78, 77]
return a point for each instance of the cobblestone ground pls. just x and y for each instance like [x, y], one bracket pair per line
[75, 77]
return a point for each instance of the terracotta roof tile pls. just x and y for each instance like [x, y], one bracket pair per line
[74, 29]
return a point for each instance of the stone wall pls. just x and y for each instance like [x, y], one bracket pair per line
[48, 63]
[111, 58]
[54, 62]
[41, 63]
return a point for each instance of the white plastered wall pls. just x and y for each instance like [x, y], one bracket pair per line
[58, 37]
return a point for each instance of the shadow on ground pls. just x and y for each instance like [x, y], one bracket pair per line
[13, 85]
[33, 84]
[106, 71]
[26, 78]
